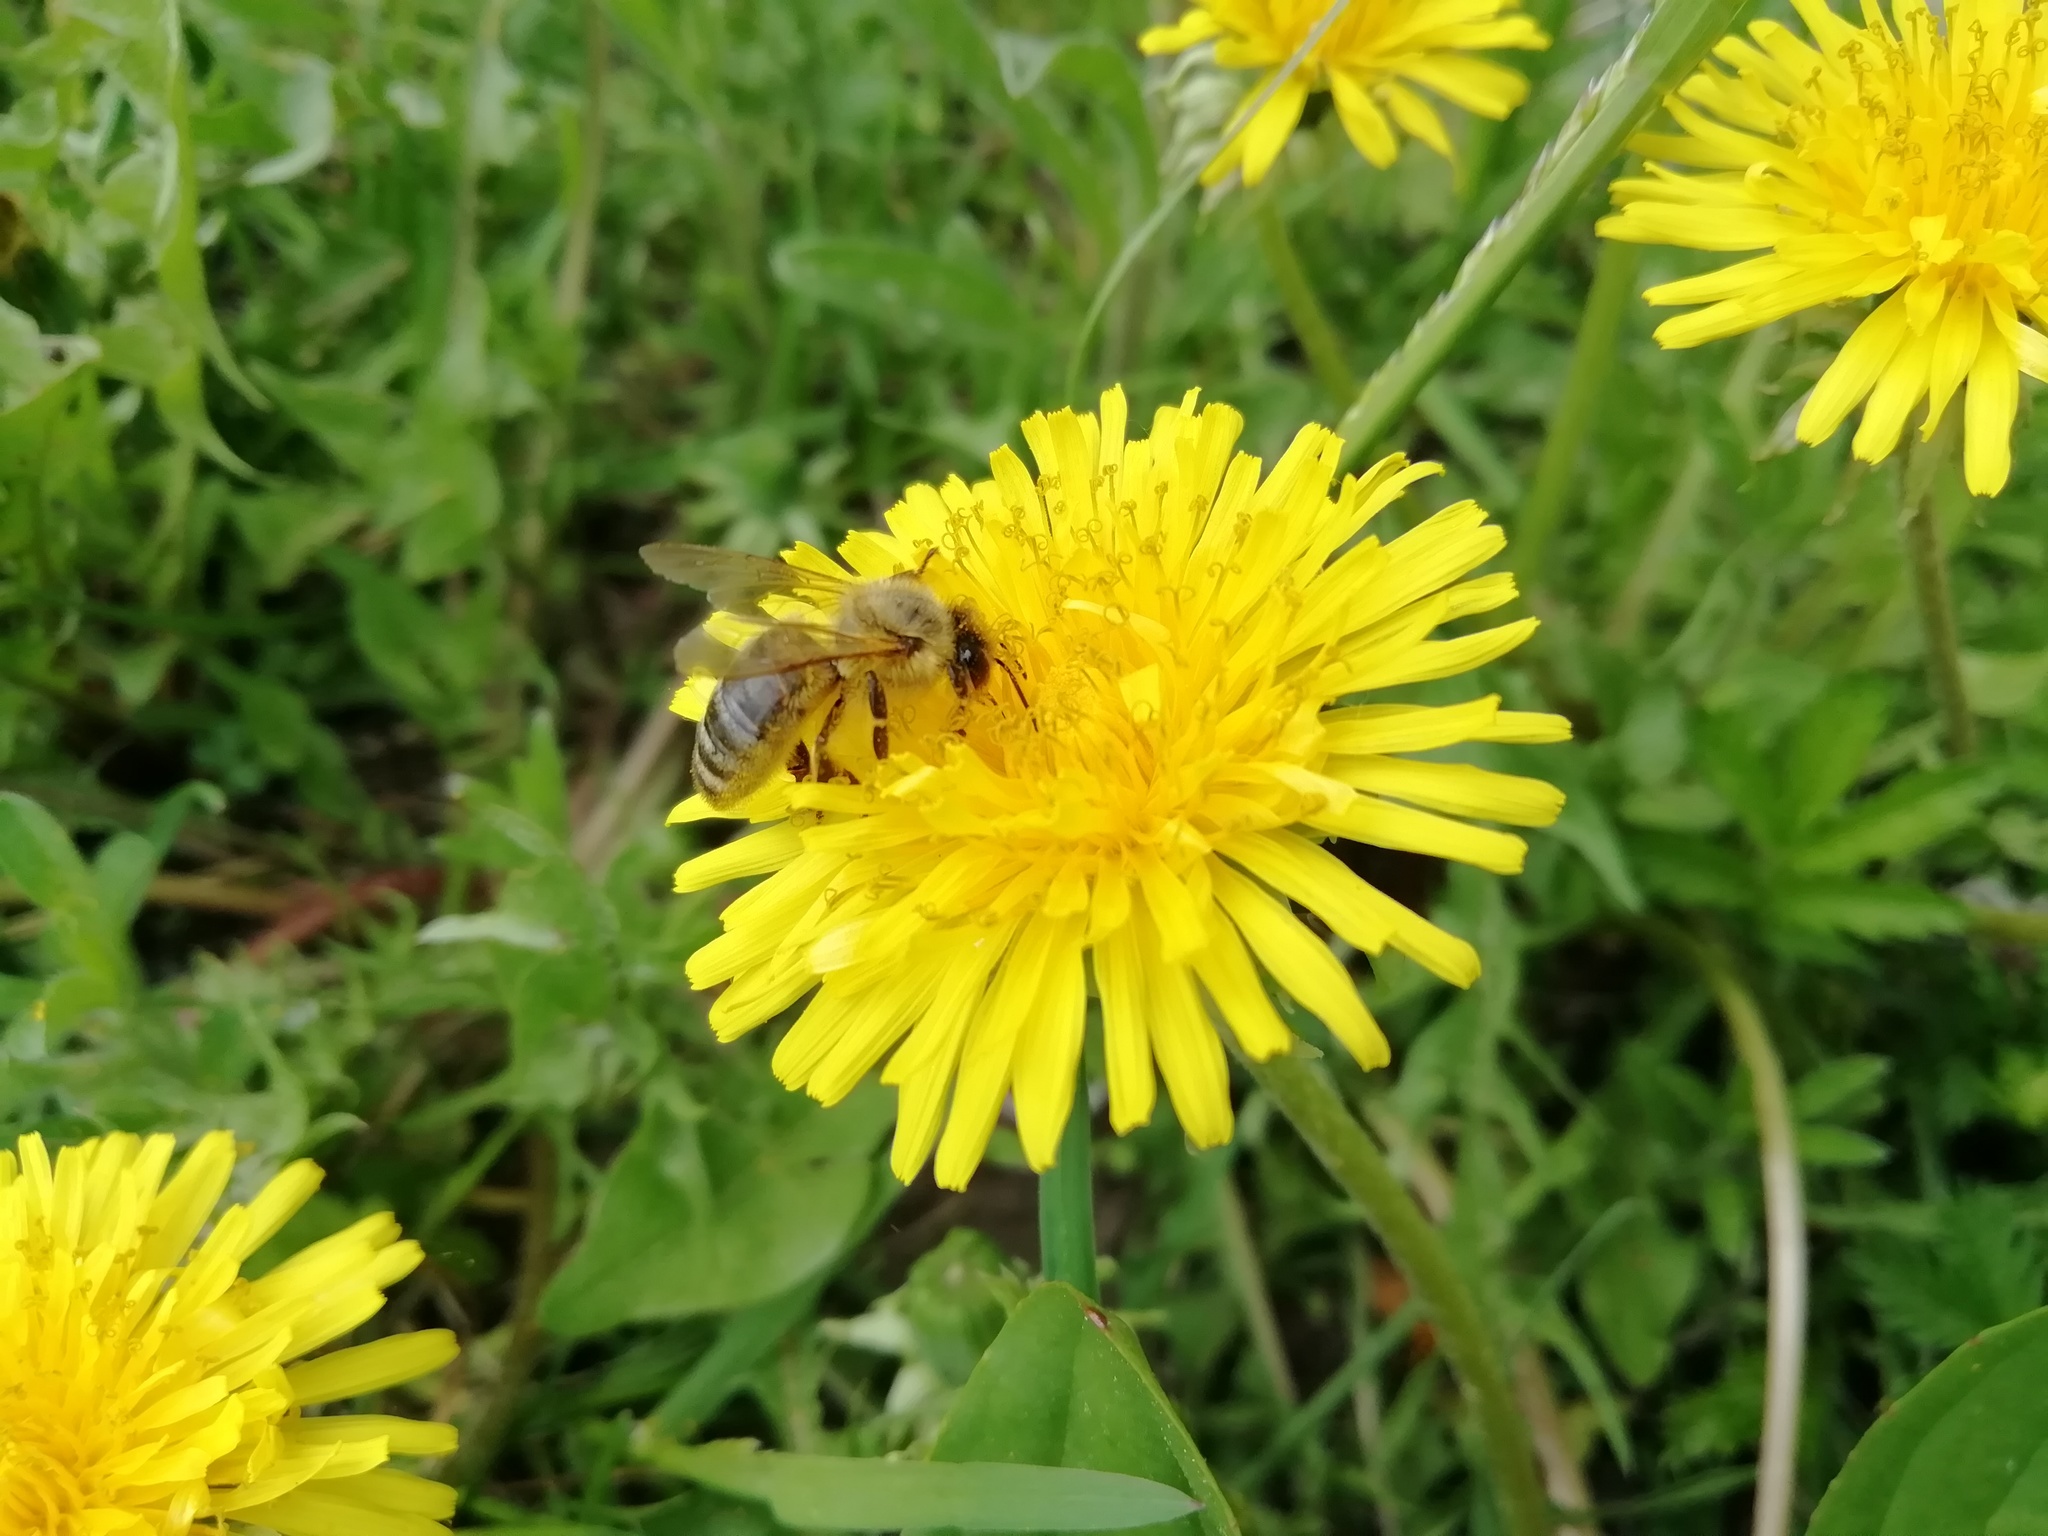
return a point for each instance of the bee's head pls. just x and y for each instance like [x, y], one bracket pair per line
[970, 651]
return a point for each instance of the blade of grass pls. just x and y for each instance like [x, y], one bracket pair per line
[1674, 39]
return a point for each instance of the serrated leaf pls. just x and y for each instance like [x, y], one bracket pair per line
[1900, 819]
[1867, 909]
[1845, 1088]
[1832, 742]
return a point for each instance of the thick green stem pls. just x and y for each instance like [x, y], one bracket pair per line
[1312, 327]
[1921, 525]
[1066, 1203]
[1312, 1105]
[1614, 280]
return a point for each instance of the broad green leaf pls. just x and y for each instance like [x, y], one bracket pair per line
[32, 363]
[2004, 685]
[700, 1214]
[489, 927]
[1635, 1289]
[913, 292]
[844, 1493]
[1066, 1384]
[303, 109]
[121, 872]
[1960, 1454]
[38, 855]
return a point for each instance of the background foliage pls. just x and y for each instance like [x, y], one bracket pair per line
[349, 350]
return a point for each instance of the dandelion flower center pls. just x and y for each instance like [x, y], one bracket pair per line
[1372, 60]
[1140, 797]
[147, 1389]
[1907, 158]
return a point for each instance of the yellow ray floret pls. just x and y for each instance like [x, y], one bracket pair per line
[1376, 61]
[1136, 797]
[1906, 157]
[148, 1389]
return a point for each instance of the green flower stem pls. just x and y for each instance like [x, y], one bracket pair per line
[1674, 38]
[1614, 280]
[1784, 1232]
[1066, 1203]
[1312, 1105]
[1312, 327]
[1921, 525]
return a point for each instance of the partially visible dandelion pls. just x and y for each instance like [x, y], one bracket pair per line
[1144, 795]
[147, 1389]
[1371, 61]
[1907, 158]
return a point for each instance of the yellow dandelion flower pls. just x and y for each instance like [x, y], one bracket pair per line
[147, 1389]
[1141, 789]
[1906, 158]
[1371, 61]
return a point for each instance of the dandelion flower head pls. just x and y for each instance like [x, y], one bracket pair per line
[1905, 157]
[148, 1389]
[1141, 796]
[1372, 60]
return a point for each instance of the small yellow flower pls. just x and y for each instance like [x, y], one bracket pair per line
[146, 1389]
[1908, 159]
[1370, 61]
[1143, 794]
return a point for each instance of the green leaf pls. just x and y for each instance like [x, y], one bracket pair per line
[1066, 1384]
[1900, 819]
[1635, 1289]
[38, 855]
[1674, 39]
[841, 1493]
[1836, 1146]
[1959, 1455]
[700, 1214]
[1977, 1265]
[1843, 1089]
[1868, 909]
[1832, 742]
[913, 292]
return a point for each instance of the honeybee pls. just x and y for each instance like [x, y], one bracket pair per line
[891, 632]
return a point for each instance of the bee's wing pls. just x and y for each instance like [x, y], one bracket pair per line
[793, 646]
[736, 582]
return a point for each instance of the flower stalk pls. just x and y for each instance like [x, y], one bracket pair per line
[1318, 1114]
[1785, 1257]
[1312, 327]
[1920, 524]
[1066, 1203]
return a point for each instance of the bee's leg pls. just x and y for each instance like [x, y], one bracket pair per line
[878, 710]
[829, 771]
[799, 762]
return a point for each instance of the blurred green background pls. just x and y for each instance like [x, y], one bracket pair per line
[350, 349]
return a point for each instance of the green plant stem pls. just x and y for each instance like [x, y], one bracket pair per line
[1663, 52]
[1312, 327]
[1239, 1250]
[523, 1338]
[1784, 1232]
[1921, 524]
[1312, 1105]
[1066, 1203]
[1614, 280]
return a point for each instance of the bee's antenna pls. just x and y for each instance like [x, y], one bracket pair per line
[1021, 699]
[927, 560]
